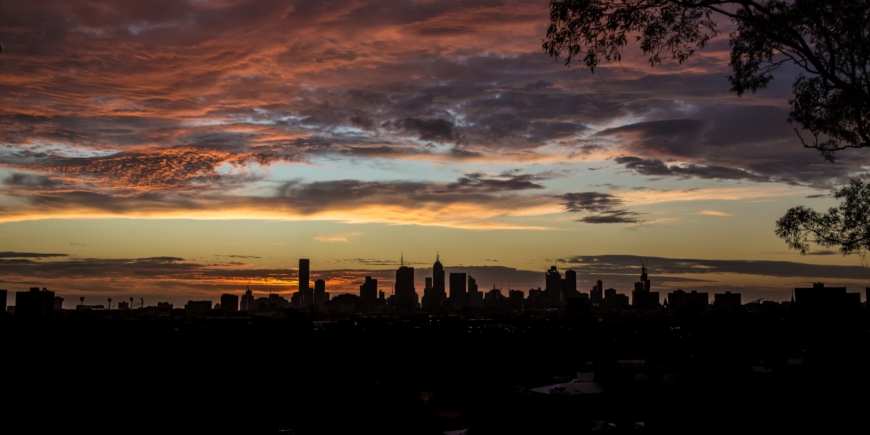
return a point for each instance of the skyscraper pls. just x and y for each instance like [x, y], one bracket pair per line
[475, 298]
[569, 285]
[248, 303]
[457, 289]
[406, 295]
[438, 276]
[304, 289]
[368, 292]
[319, 292]
[553, 288]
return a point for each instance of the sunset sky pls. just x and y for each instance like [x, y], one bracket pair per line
[180, 149]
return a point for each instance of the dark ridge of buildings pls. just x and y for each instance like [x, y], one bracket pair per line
[229, 302]
[306, 295]
[819, 298]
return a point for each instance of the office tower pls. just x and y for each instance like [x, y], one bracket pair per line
[248, 301]
[438, 276]
[457, 289]
[406, 295]
[368, 292]
[475, 298]
[304, 289]
[319, 292]
[3, 299]
[34, 303]
[642, 297]
[553, 288]
[229, 302]
[569, 284]
[597, 293]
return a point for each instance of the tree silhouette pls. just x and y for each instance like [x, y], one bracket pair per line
[829, 40]
[845, 226]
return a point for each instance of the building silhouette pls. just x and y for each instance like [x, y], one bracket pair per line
[727, 301]
[248, 301]
[34, 303]
[3, 299]
[596, 295]
[569, 285]
[229, 302]
[406, 298]
[614, 300]
[368, 292]
[681, 299]
[434, 295]
[320, 295]
[457, 289]
[475, 297]
[197, 308]
[553, 288]
[642, 297]
[305, 291]
[820, 299]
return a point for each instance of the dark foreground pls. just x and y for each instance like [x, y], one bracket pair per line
[717, 373]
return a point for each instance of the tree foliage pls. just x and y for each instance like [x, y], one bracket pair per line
[829, 40]
[846, 226]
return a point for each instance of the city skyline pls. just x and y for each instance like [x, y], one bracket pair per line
[616, 272]
[144, 152]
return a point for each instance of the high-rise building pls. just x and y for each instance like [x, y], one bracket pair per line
[597, 292]
[406, 295]
[368, 292]
[569, 285]
[642, 297]
[304, 283]
[438, 276]
[457, 290]
[475, 297]
[553, 289]
[248, 303]
[229, 302]
[3, 300]
[319, 292]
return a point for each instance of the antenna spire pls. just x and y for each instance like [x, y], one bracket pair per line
[402, 261]
[437, 256]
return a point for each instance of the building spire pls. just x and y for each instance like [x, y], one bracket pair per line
[402, 261]
[437, 256]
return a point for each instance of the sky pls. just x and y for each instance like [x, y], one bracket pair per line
[180, 149]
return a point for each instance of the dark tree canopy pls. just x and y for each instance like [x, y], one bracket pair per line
[829, 40]
[845, 226]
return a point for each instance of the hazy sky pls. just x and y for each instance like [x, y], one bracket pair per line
[179, 149]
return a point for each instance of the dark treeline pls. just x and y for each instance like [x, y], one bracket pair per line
[422, 374]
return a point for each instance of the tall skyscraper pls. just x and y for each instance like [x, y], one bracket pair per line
[434, 294]
[553, 290]
[597, 293]
[569, 285]
[438, 276]
[304, 284]
[368, 292]
[248, 303]
[319, 292]
[406, 296]
[475, 298]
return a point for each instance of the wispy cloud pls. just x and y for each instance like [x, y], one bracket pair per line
[714, 213]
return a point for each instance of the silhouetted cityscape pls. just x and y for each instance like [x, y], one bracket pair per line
[542, 357]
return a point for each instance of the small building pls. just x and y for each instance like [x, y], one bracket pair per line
[197, 308]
